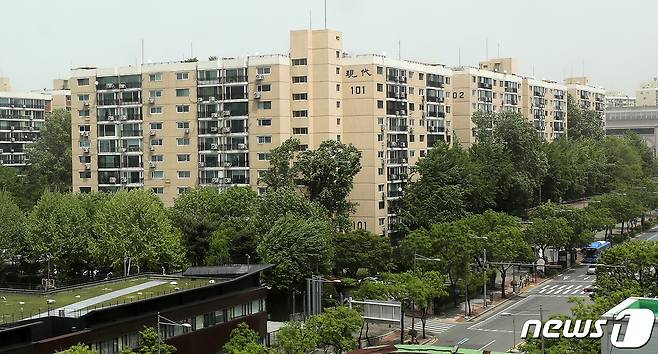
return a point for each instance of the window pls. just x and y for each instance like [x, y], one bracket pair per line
[300, 131]
[337, 87]
[380, 104]
[382, 204]
[83, 113]
[182, 76]
[182, 92]
[422, 153]
[181, 190]
[85, 174]
[380, 70]
[182, 108]
[421, 76]
[183, 125]
[157, 174]
[380, 120]
[83, 97]
[183, 157]
[301, 61]
[299, 96]
[264, 122]
[156, 125]
[337, 137]
[447, 80]
[380, 187]
[265, 70]
[380, 171]
[447, 109]
[421, 138]
[337, 104]
[155, 93]
[380, 87]
[265, 105]
[302, 147]
[157, 158]
[263, 156]
[412, 107]
[155, 110]
[380, 154]
[337, 71]
[381, 221]
[412, 138]
[412, 153]
[261, 173]
[158, 190]
[183, 174]
[299, 79]
[262, 190]
[380, 137]
[85, 159]
[421, 92]
[337, 121]
[182, 141]
[264, 88]
[266, 139]
[83, 82]
[156, 142]
[155, 77]
[300, 114]
[337, 54]
[411, 90]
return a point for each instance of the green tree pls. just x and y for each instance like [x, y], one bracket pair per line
[200, 212]
[281, 173]
[149, 343]
[13, 241]
[361, 249]
[275, 204]
[621, 207]
[232, 242]
[79, 349]
[335, 328]
[296, 338]
[442, 190]
[50, 154]
[16, 185]
[298, 248]
[58, 231]
[327, 175]
[549, 232]
[244, 340]
[583, 124]
[507, 245]
[133, 230]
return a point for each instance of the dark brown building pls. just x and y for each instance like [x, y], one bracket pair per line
[211, 311]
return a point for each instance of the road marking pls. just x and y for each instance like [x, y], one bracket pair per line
[432, 326]
[577, 290]
[565, 277]
[486, 345]
[585, 278]
[494, 316]
[551, 289]
[463, 341]
[652, 237]
[566, 290]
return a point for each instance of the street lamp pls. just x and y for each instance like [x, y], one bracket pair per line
[413, 304]
[167, 322]
[509, 314]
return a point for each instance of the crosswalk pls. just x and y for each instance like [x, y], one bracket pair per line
[433, 327]
[562, 289]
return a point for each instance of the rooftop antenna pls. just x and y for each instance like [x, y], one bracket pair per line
[498, 50]
[486, 48]
[325, 14]
[583, 67]
[142, 51]
[399, 50]
[191, 50]
[459, 56]
[310, 20]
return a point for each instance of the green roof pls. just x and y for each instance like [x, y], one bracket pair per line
[431, 349]
[651, 304]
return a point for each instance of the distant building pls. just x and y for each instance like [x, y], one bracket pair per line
[640, 120]
[5, 84]
[60, 94]
[22, 115]
[587, 96]
[614, 98]
[647, 95]
[209, 313]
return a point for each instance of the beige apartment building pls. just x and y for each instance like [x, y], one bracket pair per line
[22, 115]
[616, 98]
[586, 95]
[647, 95]
[545, 105]
[5, 84]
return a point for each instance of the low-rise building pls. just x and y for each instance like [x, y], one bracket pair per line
[641, 120]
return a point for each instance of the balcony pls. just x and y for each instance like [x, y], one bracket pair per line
[436, 129]
[511, 89]
[132, 133]
[435, 99]
[233, 79]
[397, 128]
[436, 84]
[485, 85]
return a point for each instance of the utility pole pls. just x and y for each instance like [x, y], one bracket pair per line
[541, 319]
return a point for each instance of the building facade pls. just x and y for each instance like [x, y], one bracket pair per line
[647, 95]
[615, 98]
[545, 105]
[22, 115]
[5, 84]
[642, 121]
[586, 95]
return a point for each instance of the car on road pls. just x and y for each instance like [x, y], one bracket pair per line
[591, 290]
[591, 270]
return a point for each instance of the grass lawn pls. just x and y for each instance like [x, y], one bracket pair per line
[182, 284]
[11, 308]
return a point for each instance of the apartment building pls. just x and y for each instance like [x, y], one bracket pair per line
[5, 84]
[615, 98]
[492, 87]
[22, 115]
[647, 95]
[545, 105]
[586, 95]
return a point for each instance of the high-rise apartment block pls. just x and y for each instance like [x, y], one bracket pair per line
[22, 116]
[587, 96]
[647, 95]
[615, 98]
[5, 84]
[170, 127]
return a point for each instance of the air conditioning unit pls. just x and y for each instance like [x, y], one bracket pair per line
[122, 86]
[260, 76]
[152, 132]
[85, 134]
[152, 164]
[151, 100]
[187, 130]
[200, 99]
[257, 95]
[226, 129]
[124, 117]
[403, 112]
[214, 129]
[202, 164]
[213, 147]
[214, 180]
[110, 118]
[124, 179]
[226, 113]
[12, 128]
[394, 177]
[242, 146]
[13, 139]
[87, 166]
[85, 150]
[109, 86]
[404, 160]
[113, 180]
[228, 180]
[152, 148]
[212, 99]
[227, 164]
[82, 133]
[381, 127]
[124, 150]
[85, 103]
[214, 115]
[403, 144]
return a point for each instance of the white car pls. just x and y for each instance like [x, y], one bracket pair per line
[591, 270]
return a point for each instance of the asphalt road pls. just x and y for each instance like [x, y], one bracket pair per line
[499, 333]
[651, 235]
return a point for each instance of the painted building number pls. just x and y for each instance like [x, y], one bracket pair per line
[461, 95]
[358, 90]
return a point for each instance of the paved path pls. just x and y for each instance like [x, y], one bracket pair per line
[72, 309]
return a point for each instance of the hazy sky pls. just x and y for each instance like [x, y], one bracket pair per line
[616, 40]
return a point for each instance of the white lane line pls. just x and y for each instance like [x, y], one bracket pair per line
[652, 237]
[507, 309]
[565, 277]
[577, 290]
[566, 290]
[585, 278]
[486, 345]
[463, 341]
